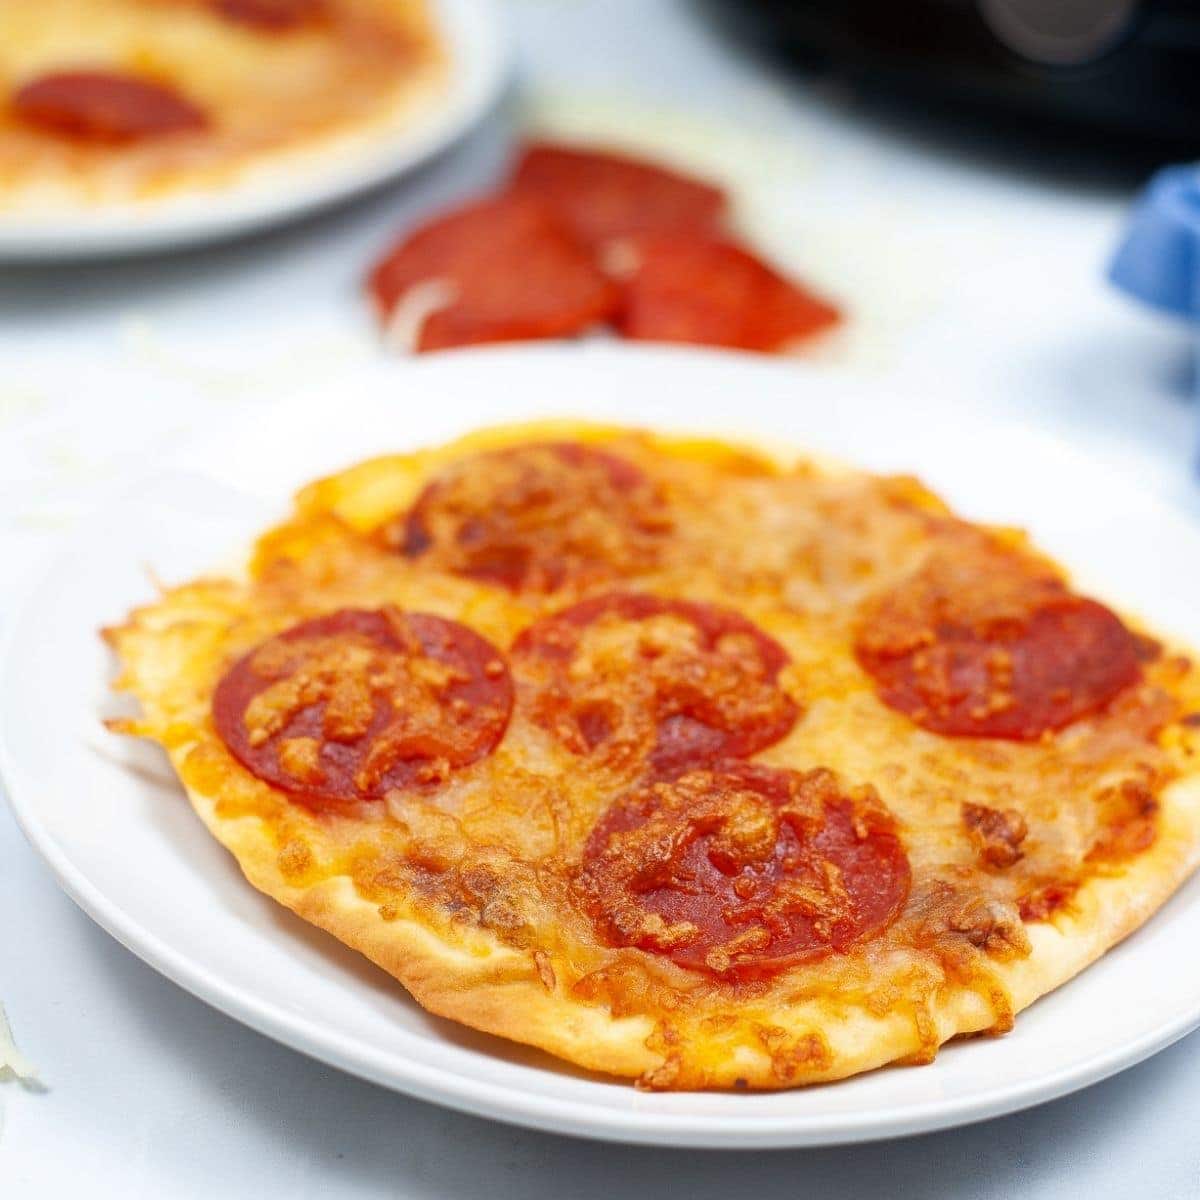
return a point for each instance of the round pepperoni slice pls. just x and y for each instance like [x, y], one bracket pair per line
[984, 644]
[742, 870]
[272, 16]
[637, 679]
[349, 706]
[536, 517]
[705, 291]
[500, 270]
[600, 196]
[101, 106]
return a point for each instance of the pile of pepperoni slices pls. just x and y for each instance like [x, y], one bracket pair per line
[579, 239]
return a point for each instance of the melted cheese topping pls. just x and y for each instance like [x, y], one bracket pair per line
[995, 831]
[365, 64]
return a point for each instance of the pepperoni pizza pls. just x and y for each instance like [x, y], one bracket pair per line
[117, 100]
[681, 762]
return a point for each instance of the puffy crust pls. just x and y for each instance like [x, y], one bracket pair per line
[473, 977]
[898, 1003]
[492, 987]
[1108, 908]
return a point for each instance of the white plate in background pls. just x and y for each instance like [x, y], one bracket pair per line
[289, 186]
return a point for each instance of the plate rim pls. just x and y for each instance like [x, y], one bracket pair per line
[494, 1100]
[478, 37]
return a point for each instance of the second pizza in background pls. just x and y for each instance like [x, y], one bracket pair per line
[582, 238]
[121, 102]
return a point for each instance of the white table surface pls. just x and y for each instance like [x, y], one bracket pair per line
[149, 1092]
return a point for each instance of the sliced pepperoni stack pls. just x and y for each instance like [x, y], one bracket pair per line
[708, 291]
[500, 270]
[581, 238]
[599, 197]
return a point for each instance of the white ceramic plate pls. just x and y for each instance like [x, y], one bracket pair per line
[479, 60]
[116, 830]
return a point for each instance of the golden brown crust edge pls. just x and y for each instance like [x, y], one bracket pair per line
[497, 989]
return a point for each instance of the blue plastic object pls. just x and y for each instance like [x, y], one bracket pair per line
[1159, 260]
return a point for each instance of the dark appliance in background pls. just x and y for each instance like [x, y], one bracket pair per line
[1123, 67]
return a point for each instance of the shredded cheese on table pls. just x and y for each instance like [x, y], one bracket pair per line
[13, 1064]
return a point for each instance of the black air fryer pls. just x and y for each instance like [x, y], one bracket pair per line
[1127, 66]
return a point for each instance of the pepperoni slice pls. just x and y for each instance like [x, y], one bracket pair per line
[500, 270]
[706, 291]
[639, 678]
[742, 870]
[349, 706]
[273, 16]
[601, 196]
[984, 644]
[536, 517]
[102, 106]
